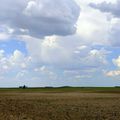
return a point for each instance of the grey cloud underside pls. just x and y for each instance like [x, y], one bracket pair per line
[114, 9]
[114, 35]
[40, 18]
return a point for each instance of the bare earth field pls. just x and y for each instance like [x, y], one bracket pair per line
[59, 106]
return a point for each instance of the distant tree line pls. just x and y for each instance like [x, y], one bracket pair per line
[23, 87]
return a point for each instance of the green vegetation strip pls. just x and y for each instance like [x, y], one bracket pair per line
[65, 89]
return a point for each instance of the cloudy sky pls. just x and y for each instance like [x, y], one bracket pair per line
[59, 43]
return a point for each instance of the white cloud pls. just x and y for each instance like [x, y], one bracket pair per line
[4, 36]
[65, 53]
[90, 27]
[14, 61]
[117, 61]
[17, 66]
[39, 18]
[111, 10]
[113, 73]
[50, 51]
[21, 74]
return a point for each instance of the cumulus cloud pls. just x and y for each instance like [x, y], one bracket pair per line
[117, 61]
[43, 26]
[112, 8]
[39, 18]
[17, 66]
[63, 52]
[116, 72]
[113, 73]
[17, 60]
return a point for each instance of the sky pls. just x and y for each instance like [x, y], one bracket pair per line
[59, 43]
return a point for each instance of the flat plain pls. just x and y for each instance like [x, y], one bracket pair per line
[60, 104]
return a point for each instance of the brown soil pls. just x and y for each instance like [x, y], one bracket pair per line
[59, 106]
